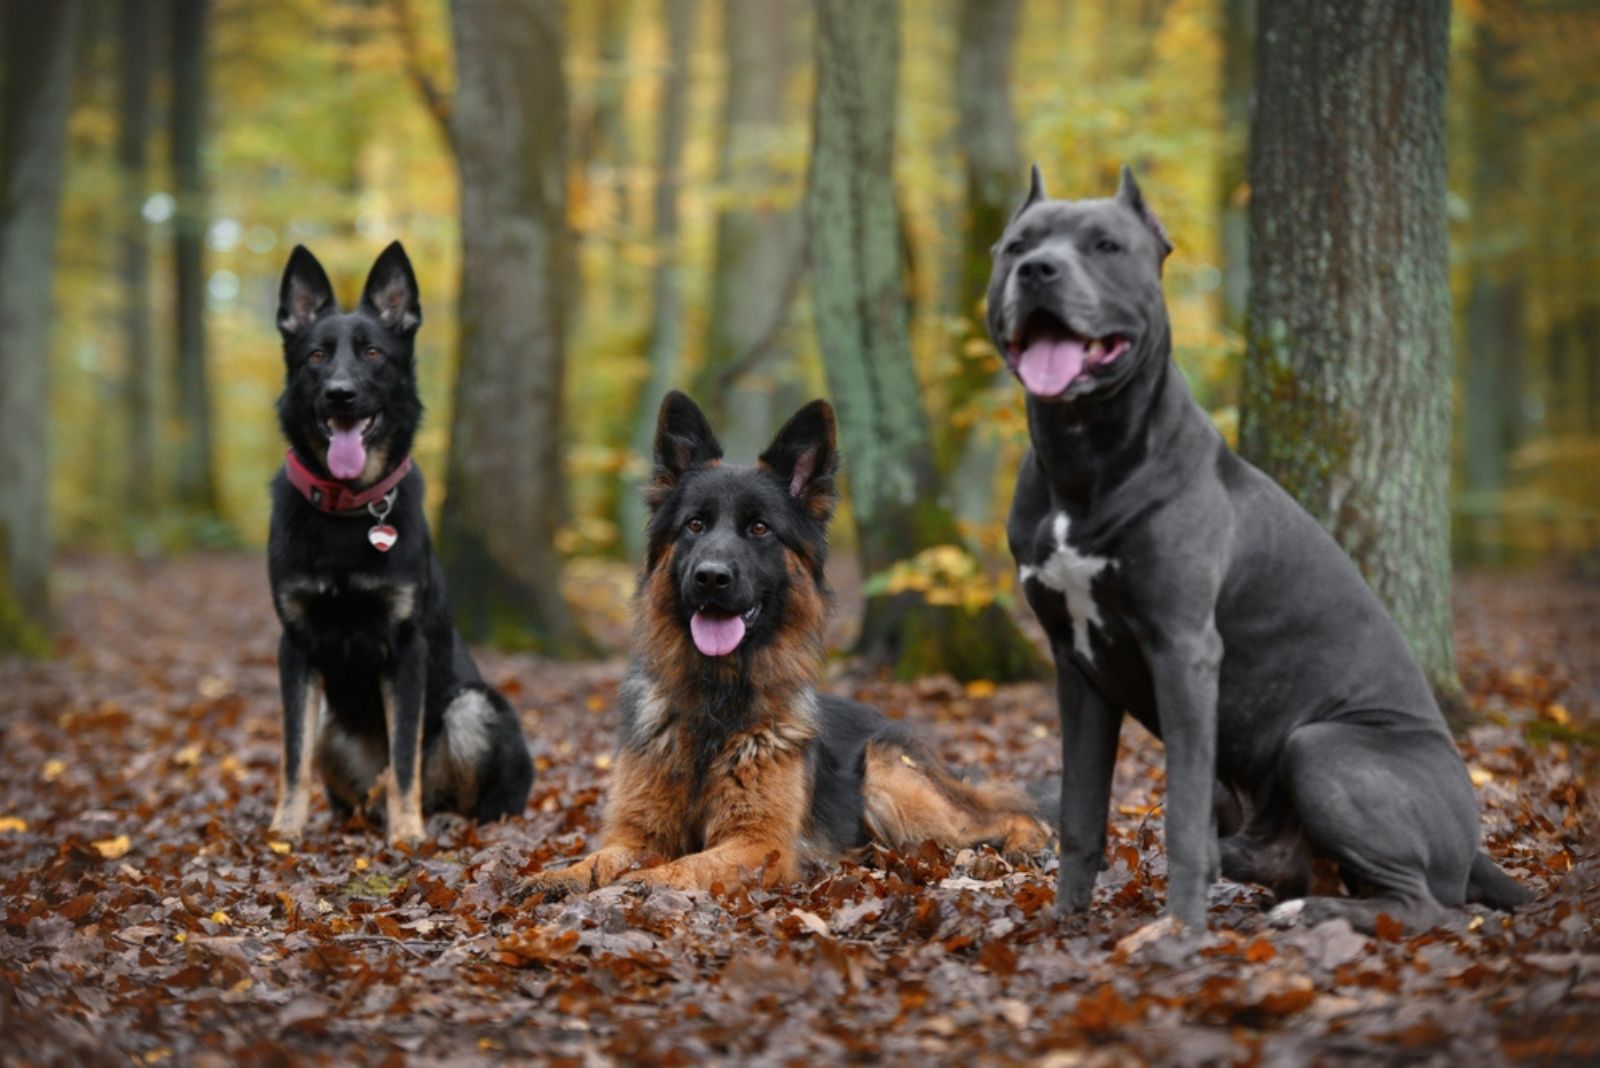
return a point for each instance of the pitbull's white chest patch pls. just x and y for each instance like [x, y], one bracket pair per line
[1071, 574]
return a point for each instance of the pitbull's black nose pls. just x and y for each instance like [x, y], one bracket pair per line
[339, 393]
[1038, 270]
[712, 577]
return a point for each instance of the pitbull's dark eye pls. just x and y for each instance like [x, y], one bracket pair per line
[1106, 245]
[758, 529]
[1014, 247]
[695, 525]
[372, 355]
[317, 357]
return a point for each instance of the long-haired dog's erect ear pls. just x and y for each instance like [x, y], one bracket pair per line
[305, 294]
[683, 440]
[391, 291]
[805, 456]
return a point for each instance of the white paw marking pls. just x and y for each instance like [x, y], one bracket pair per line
[1071, 574]
[1287, 914]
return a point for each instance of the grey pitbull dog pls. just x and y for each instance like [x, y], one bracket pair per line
[1178, 583]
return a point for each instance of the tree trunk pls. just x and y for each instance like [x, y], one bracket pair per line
[194, 473]
[895, 491]
[139, 373]
[992, 149]
[606, 142]
[1493, 339]
[1233, 169]
[760, 242]
[666, 297]
[505, 490]
[1348, 371]
[36, 55]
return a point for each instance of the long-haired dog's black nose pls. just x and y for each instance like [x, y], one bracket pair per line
[712, 577]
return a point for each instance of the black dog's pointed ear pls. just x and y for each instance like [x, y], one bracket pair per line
[305, 294]
[805, 456]
[391, 291]
[683, 440]
[1129, 196]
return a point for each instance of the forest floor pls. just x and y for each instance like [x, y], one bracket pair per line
[146, 918]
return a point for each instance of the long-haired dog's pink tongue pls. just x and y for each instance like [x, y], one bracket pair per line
[1048, 367]
[716, 635]
[347, 455]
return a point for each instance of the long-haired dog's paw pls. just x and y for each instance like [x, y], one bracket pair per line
[543, 890]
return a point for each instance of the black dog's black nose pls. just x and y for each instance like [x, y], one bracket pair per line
[1038, 270]
[712, 576]
[339, 393]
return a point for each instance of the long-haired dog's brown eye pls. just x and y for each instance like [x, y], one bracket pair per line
[696, 525]
[758, 529]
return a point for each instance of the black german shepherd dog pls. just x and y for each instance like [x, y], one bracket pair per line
[731, 762]
[366, 621]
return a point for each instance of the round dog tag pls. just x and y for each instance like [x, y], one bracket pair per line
[383, 537]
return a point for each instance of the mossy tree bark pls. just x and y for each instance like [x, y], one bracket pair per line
[665, 343]
[760, 242]
[139, 382]
[1347, 386]
[505, 489]
[195, 480]
[894, 487]
[35, 94]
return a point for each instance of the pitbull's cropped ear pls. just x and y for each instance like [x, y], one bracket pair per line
[805, 455]
[683, 440]
[1036, 192]
[391, 291]
[1128, 196]
[305, 294]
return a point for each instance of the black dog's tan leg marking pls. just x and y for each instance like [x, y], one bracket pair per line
[908, 799]
[302, 700]
[756, 808]
[402, 713]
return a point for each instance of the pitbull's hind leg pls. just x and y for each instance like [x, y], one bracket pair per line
[1391, 803]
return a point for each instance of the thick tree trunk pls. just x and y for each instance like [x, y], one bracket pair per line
[760, 242]
[194, 472]
[505, 490]
[992, 150]
[1493, 339]
[666, 296]
[139, 372]
[895, 491]
[1233, 168]
[606, 144]
[35, 92]
[1348, 372]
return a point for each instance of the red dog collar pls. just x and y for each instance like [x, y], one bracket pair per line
[331, 496]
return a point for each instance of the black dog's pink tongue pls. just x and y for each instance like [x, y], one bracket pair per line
[716, 635]
[347, 454]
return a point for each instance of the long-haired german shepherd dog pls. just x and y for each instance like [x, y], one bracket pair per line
[367, 633]
[730, 760]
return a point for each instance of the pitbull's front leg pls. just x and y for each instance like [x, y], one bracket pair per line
[1089, 729]
[1184, 668]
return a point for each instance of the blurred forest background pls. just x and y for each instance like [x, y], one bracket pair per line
[609, 198]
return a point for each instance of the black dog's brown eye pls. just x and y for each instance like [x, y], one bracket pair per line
[372, 355]
[1105, 244]
[696, 525]
[758, 529]
[317, 356]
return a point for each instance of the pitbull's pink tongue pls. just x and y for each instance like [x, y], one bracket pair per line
[716, 635]
[347, 456]
[1048, 367]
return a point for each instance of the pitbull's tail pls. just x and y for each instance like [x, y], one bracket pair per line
[1488, 885]
[1046, 798]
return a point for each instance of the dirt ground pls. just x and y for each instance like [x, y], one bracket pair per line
[147, 919]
